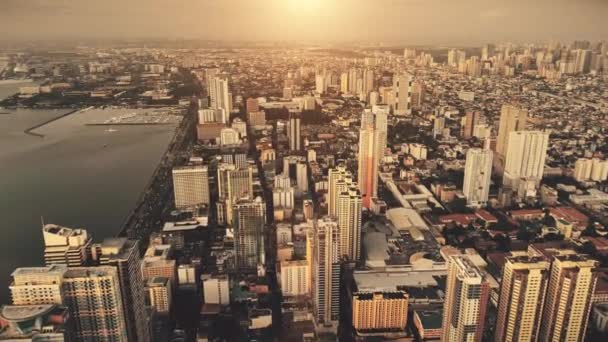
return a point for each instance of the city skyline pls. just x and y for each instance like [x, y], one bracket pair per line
[210, 185]
[466, 23]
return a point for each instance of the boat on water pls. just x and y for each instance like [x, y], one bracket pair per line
[111, 130]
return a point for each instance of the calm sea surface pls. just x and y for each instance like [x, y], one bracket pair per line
[76, 175]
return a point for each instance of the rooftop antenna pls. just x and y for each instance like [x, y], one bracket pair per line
[42, 220]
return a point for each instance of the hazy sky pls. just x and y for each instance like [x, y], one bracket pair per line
[403, 21]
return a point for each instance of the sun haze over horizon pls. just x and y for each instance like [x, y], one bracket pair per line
[406, 21]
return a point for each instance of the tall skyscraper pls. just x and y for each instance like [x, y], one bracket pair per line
[345, 205]
[191, 185]
[221, 98]
[249, 225]
[326, 274]
[93, 297]
[368, 81]
[123, 254]
[321, 83]
[349, 223]
[525, 158]
[66, 246]
[233, 184]
[344, 83]
[571, 286]
[472, 118]
[522, 295]
[466, 300]
[402, 86]
[477, 176]
[339, 180]
[37, 285]
[372, 142]
[512, 119]
[295, 135]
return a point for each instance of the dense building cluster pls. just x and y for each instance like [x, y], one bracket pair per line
[352, 194]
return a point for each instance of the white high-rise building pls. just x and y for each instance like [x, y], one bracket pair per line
[249, 225]
[525, 158]
[344, 83]
[37, 285]
[466, 300]
[207, 115]
[283, 198]
[582, 169]
[294, 278]
[339, 180]
[591, 169]
[477, 176]
[571, 286]
[325, 274]
[216, 289]
[402, 87]
[66, 246]
[349, 222]
[321, 84]
[522, 295]
[233, 184]
[221, 98]
[191, 185]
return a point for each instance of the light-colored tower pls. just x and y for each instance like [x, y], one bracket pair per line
[93, 297]
[294, 278]
[477, 176]
[191, 185]
[321, 84]
[402, 87]
[466, 300]
[221, 96]
[37, 285]
[380, 311]
[349, 222]
[66, 246]
[522, 295]
[325, 273]
[372, 142]
[339, 180]
[124, 255]
[583, 169]
[295, 135]
[249, 222]
[233, 184]
[512, 119]
[525, 157]
[344, 83]
[571, 286]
